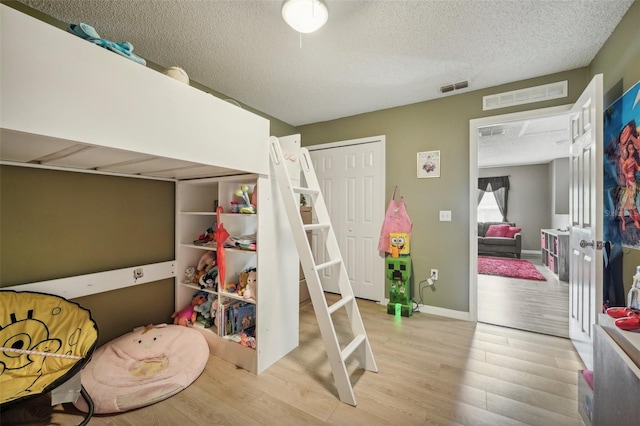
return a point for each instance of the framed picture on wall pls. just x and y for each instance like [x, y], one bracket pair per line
[428, 164]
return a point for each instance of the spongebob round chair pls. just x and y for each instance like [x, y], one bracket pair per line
[45, 340]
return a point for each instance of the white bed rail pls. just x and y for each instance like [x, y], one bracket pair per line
[99, 282]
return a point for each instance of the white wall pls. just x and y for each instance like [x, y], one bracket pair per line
[559, 193]
[529, 199]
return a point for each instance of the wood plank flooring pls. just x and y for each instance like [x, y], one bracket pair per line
[538, 306]
[432, 371]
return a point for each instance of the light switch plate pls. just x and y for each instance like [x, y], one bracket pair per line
[445, 215]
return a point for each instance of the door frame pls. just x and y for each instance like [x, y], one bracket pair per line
[381, 139]
[474, 125]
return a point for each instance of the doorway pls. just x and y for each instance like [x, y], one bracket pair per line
[351, 175]
[513, 145]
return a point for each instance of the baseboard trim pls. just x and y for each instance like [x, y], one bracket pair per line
[435, 310]
[443, 312]
[532, 252]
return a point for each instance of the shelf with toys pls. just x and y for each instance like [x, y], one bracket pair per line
[227, 312]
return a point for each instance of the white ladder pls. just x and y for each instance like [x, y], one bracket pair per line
[359, 345]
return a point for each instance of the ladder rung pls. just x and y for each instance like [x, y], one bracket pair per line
[303, 190]
[340, 303]
[312, 226]
[348, 350]
[329, 263]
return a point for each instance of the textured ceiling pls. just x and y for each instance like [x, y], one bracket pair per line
[524, 142]
[369, 56]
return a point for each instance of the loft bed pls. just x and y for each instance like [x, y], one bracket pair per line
[73, 106]
[69, 103]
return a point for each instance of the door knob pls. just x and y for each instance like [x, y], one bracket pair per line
[584, 243]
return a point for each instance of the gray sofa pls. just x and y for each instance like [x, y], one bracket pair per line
[498, 245]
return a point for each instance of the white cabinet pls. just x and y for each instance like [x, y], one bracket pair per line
[276, 320]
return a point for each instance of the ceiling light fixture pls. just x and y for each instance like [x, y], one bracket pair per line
[305, 16]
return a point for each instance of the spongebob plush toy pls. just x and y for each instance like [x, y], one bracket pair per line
[399, 244]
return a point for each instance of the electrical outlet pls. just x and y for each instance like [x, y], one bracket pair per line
[445, 215]
[434, 274]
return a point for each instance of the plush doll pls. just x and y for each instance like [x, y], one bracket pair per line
[188, 315]
[252, 281]
[190, 275]
[230, 287]
[213, 313]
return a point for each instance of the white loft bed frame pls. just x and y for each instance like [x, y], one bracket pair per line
[70, 105]
[67, 104]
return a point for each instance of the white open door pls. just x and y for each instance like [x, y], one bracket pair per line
[585, 214]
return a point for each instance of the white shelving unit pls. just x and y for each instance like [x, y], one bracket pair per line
[276, 317]
[554, 246]
[196, 202]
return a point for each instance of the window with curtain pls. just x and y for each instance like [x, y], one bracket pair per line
[493, 209]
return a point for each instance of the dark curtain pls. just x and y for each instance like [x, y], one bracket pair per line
[499, 186]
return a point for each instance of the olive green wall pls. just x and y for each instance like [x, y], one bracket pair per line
[441, 124]
[56, 224]
[619, 62]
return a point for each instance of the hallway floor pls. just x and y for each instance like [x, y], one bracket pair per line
[538, 306]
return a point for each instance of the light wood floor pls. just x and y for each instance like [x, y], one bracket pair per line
[538, 306]
[432, 371]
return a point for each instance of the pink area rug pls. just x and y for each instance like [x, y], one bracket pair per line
[512, 268]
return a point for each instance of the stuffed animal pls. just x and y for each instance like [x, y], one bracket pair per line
[188, 315]
[252, 281]
[213, 314]
[230, 287]
[209, 279]
[205, 309]
[205, 238]
[207, 261]
[177, 73]
[189, 275]
[242, 284]
[243, 192]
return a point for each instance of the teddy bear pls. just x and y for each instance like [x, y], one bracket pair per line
[252, 281]
[242, 284]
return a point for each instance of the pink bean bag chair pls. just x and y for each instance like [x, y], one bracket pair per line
[143, 367]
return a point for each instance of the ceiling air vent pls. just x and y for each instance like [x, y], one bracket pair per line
[455, 86]
[526, 96]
